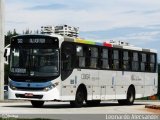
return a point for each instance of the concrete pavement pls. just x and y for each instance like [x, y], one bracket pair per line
[61, 109]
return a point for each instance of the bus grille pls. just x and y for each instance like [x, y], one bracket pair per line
[29, 89]
[34, 96]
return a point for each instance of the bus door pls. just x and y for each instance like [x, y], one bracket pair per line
[67, 74]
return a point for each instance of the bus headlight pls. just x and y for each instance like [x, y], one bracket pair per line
[51, 86]
[12, 87]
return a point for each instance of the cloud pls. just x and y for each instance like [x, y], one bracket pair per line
[136, 21]
[129, 12]
[48, 7]
[148, 39]
[89, 15]
[141, 38]
[151, 11]
[14, 22]
[144, 37]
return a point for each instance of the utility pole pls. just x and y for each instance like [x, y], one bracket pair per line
[1, 49]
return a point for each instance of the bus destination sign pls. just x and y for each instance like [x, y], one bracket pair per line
[32, 40]
[43, 41]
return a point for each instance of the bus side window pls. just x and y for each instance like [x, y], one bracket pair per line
[126, 65]
[152, 63]
[93, 57]
[143, 62]
[115, 59]
[105, 62]
[135, 61]
[80, 56]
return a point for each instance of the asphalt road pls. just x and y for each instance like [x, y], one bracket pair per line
[63, 111]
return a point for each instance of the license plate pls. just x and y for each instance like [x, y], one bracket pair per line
[28, 95]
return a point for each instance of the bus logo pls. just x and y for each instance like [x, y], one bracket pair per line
[85, 76]
[28, 85]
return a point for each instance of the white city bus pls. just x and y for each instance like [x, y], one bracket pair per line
[55, 67]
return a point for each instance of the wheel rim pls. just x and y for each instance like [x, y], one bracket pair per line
[130, 96]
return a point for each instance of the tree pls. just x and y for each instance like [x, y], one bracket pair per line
[36, 32]
[9, 35]
[14, 32]
[27, 31]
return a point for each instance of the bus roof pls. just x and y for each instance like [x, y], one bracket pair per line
[110, 44]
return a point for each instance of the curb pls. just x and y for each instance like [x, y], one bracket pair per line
[12, 101]
[153, 106]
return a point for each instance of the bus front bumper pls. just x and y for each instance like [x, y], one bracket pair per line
[50, 95]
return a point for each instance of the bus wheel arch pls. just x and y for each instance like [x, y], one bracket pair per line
[130, 96]
[80, 97]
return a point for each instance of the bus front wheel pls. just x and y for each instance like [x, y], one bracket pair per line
[80, 97]
[37, 104]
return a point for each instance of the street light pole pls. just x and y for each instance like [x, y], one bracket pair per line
[1, 49]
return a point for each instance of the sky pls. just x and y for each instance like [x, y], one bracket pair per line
[133, 21]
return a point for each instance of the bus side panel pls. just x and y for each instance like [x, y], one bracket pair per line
[137, 79]
[87, 77]
[68, 92]
[151, 83]
[122, 83]
[69, 87]
[125, 79]
[90, 78]
[107, 82]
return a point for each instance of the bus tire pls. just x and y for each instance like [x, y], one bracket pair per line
[79, 99]
[93, 102]
[37, 104]
[122, 102]
[130, 97]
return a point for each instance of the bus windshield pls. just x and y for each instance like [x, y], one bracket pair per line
[34, 62]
